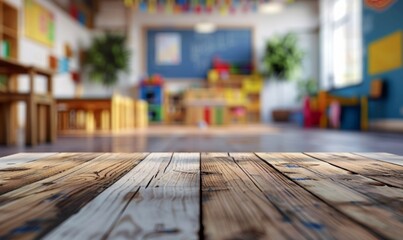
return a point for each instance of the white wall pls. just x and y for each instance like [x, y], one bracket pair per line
[301, 17]
[31, 52]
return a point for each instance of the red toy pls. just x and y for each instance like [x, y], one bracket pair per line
[221, 66]
[311, 116]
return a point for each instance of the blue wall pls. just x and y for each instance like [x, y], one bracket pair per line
[376, 25]
[199, 50]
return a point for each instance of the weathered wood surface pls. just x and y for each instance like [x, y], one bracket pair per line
[201, 196]
[386, 157]
[40, 207]
[264, 210]
[369, 202]
[168, 208]
[387, 173]
[157, 199]
[233, 206]
[15, 159]
[16, 176]
[312, 217]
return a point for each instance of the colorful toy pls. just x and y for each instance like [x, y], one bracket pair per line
[151, 90]
[155, 79]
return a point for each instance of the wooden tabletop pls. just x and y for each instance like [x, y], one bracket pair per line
[201, 196]
[10, 66]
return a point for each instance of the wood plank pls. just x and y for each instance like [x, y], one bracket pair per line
[107, 207]
[168, 208]
[386, 157]
[367, 201]
[19, 158]
[41, 208]
[313, 218]
[159, 213]
[182, 171]
[233, 207]
[387, 173]
[12, 178]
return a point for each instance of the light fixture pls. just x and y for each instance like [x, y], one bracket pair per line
[271, 7]
[205, 27]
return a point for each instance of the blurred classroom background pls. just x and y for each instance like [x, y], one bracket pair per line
[201, 75]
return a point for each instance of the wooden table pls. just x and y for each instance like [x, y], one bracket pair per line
[90, 114]
[201, 195]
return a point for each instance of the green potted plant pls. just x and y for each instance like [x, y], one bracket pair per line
[106, 58]
[281, 61]
[307, 88]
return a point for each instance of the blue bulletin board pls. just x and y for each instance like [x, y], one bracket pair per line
[190, 54]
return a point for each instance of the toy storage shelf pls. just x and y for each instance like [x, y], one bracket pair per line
[249, 85]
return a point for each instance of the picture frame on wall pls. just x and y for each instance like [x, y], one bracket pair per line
[168, 49]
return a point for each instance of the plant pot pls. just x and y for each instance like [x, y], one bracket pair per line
[281, 115]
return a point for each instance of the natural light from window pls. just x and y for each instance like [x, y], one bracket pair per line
[346, 43]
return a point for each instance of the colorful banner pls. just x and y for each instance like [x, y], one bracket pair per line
[39, 23]
[224, 7]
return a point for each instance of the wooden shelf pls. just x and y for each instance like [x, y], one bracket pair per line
[9, 31]
[9, 28]
[237, 82]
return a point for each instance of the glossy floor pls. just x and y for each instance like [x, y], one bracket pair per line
[260, 138]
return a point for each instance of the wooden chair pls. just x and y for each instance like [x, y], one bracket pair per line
[40, 108]
[325, 99]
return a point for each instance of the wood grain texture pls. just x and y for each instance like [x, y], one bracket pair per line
[162, 203]
[227, 196]
[234, 208]
[106, 209]
[37, 211]
[313, 218]
[168, 208]
[18, 158]
[367, 201]
[387, 173]
[12, 178]
[386, 157]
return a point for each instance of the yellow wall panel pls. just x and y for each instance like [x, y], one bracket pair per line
[386, 54]
[39, 23]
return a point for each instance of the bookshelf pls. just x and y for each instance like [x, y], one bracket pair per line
[250, 86]
[8, 51]
[8, 31]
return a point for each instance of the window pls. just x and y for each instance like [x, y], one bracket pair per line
[345, 43]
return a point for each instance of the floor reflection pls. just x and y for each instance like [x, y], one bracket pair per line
[238, 139]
